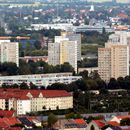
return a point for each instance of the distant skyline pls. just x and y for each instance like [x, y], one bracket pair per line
[100, 1]
[118, 1]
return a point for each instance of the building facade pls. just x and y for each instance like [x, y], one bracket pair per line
[9, 52]
[26, 101]
[74, 37]
[66, 48]
[39, 79]
[113, 61]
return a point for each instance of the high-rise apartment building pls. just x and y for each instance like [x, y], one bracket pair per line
[120, 37]
[9, 52]
[119, 61]
[73, 37]
[104, 63]
[68, 53]
[54, 53]
[66, 48]
[113, 60]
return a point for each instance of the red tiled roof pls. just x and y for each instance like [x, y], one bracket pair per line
[122, 117]
[22, 94]
[3, 124]
[80, 121]
[11, 121]
[113, 123]
[55, 93]
[100, 123]
[123, 16]
[6, 113]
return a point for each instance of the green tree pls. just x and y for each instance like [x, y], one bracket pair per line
[125, 121]
[92, 84]
[84, 74]
[103, 30]
[24, 86]
[32, 86]
[66, 67]
[37, 45]
[2, 31]
[52, 119]
[9, 68]
[113, 84]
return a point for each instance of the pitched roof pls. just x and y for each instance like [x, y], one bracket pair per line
[100, 123]
[23, 94]
[122, 117]
[11, 121]
[6, 113]
[113, 123]
[123, 16]
[80, 121]
[3, 125]
[55, 93]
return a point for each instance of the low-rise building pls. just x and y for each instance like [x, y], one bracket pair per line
[39, 79]
[89, 69]
[34, 58]
[71, 124]
[26, 101]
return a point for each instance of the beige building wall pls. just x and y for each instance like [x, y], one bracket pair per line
[2, 104]
[68, 53]
[104, 63]
[119, 61]
[74, 37]
[52, 103]
[64, 51]
[23, 106]
[9, 52]
[54, 53]
[11, 103]
[113, 61]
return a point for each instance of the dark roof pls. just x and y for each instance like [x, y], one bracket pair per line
[25, 121]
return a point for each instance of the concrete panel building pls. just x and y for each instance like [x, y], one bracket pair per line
[66, 48]
[9, 52]
[39, 79]
[113, 61]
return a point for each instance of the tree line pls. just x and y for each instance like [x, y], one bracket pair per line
[40, 67]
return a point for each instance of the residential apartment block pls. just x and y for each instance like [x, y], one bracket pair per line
[113, 61]
[104, 63]
[39, 79]
[34, 58]
[74, 37]
[66, 48]
[24, 101]
[9, 51]
[120, 37]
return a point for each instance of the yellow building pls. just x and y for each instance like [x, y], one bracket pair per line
[66, 48]
[113, 61]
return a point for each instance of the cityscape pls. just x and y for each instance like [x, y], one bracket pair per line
[64, 64]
